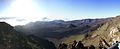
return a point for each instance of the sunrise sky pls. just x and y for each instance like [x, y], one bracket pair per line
[20, 12]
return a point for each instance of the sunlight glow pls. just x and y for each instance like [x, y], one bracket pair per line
[24, 9]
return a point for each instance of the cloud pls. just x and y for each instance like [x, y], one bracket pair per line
[7, 18]
[20, 19]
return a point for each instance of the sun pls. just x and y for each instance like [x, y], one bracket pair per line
[24, 9]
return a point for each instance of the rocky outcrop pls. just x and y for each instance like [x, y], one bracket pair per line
[79, 45]
[107, 35]
[114, 35]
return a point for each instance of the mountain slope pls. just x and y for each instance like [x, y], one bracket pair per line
[96, 32]
[11, 39]
[107, 35]
[59, 31]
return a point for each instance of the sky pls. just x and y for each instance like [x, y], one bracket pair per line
[20, 12]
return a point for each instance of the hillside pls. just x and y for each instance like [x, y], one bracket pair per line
[11, 39]
[59, 31]
[107, 35]
[96, 32]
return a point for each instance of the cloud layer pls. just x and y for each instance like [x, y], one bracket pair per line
[7, 18]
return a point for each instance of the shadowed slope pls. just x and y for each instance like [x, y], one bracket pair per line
[11, 39]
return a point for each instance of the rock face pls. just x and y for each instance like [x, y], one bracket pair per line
[107, 35]
[11, 39]
[114, 35]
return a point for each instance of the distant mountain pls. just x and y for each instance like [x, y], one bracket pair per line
[61, 31]
[59, 28]
[11, 39]
[93, 33]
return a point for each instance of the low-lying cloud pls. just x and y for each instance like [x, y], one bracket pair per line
[20, 19]
[7, 18]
